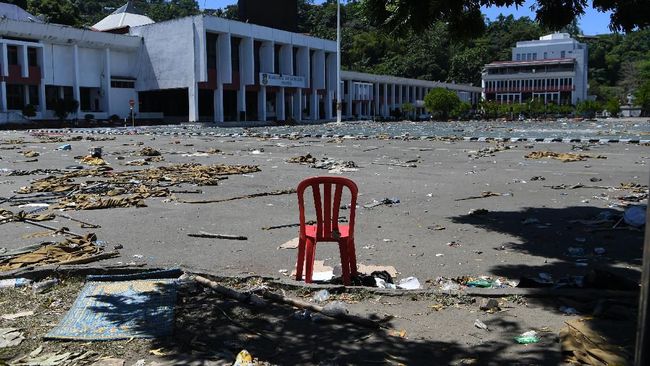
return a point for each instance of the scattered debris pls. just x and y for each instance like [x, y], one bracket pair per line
[489, 305]
[385, 201]
[148, 151]
[291, 244]
[485, 194]
[478, 212]
[480, 325]
[409, 283]
[254, 195]
[204, 234]
[583, 342]
[10, 337]
[527, 337]
[564, 157]
[303, 159]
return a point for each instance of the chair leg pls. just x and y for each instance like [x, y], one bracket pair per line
[300, 263]
[309, 261]
[352, 257]
[345, 262]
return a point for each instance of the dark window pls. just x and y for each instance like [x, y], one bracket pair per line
[67, 92]
[12, 55]
[15, 96]
[234, 53]
[123, 84]
[84, 95]
[211, 47]
[34, 97]
[32, 58]
[51, 96]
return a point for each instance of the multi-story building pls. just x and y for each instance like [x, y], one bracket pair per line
[199, 68]
[552, 69]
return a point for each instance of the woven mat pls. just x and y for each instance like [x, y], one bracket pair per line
[123, 308]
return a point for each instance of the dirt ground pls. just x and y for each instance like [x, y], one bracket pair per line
[527, 230]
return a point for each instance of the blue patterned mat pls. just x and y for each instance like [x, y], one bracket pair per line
[122, 309]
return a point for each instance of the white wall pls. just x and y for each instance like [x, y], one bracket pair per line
[120, 101]
[166, 59]
[59, 62]
[91, 66]
[124, 64]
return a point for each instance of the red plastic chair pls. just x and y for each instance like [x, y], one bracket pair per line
[327, 228]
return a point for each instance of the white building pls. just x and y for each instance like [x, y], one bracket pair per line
[199, 68]
[552, 69]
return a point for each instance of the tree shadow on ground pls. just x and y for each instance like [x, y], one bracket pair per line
[554, 236]
[567, 248]
[210, 328]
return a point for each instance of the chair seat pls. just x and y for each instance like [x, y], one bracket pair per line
[310, 231]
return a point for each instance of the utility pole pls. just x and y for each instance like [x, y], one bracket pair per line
[339, 104]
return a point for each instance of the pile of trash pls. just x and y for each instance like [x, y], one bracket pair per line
[302, 159]
[76, 250]
[564, 157]
[127, 188]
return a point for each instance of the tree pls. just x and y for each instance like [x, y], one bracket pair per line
[588, 108]
[642, 97]
[441, 102]
[64, 107]
[56, 11]
[407, 108]
[465, 19]
[29, 111]
[613, 107]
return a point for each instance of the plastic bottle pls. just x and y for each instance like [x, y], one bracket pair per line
[321, 296]
[45, 285]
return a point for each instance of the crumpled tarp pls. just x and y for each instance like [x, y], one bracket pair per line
[22, 216]
[564, 157]
[598, 342]
[66, 252]
[132, 185]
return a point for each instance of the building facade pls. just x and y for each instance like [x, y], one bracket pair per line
[552, 69]
[199, 68]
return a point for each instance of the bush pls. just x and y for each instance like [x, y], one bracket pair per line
[588, 108]
[462, 110]
[64, 107]
[441, 102]
[613, 107]
[29, 111]
[89, 117]
[114, 118]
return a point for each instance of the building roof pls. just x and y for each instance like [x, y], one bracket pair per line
[14, 12]
[125, 16]
[548, 61]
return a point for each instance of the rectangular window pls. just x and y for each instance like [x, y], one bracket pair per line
[12, 55]
[34, 97]
[67, 92]
[122, 84]
[545, 55]
[15, 96]
[519, 57]
[32, 58]
[534, 56]
[562, 54]
[51, 96]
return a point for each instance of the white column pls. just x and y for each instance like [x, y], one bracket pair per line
[261, 104]
[23, 61]
[285, 58]
[267, 57]
[246, 72]
[224, 59]
[75, 76]
[297, 105]
[375, 99]
[329, 98]
[193, 100]
[385, 102]
[41, 98]
[107, 82]
[279, 105]
[3, 96]
[218, 104]
[315, 114]
[4, 58]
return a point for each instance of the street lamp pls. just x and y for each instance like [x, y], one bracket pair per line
[339, 104]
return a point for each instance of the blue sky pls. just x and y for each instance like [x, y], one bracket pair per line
[591, 23]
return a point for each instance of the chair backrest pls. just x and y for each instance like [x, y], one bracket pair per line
[327, 204]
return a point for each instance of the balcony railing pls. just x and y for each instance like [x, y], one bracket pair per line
[547, 89]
